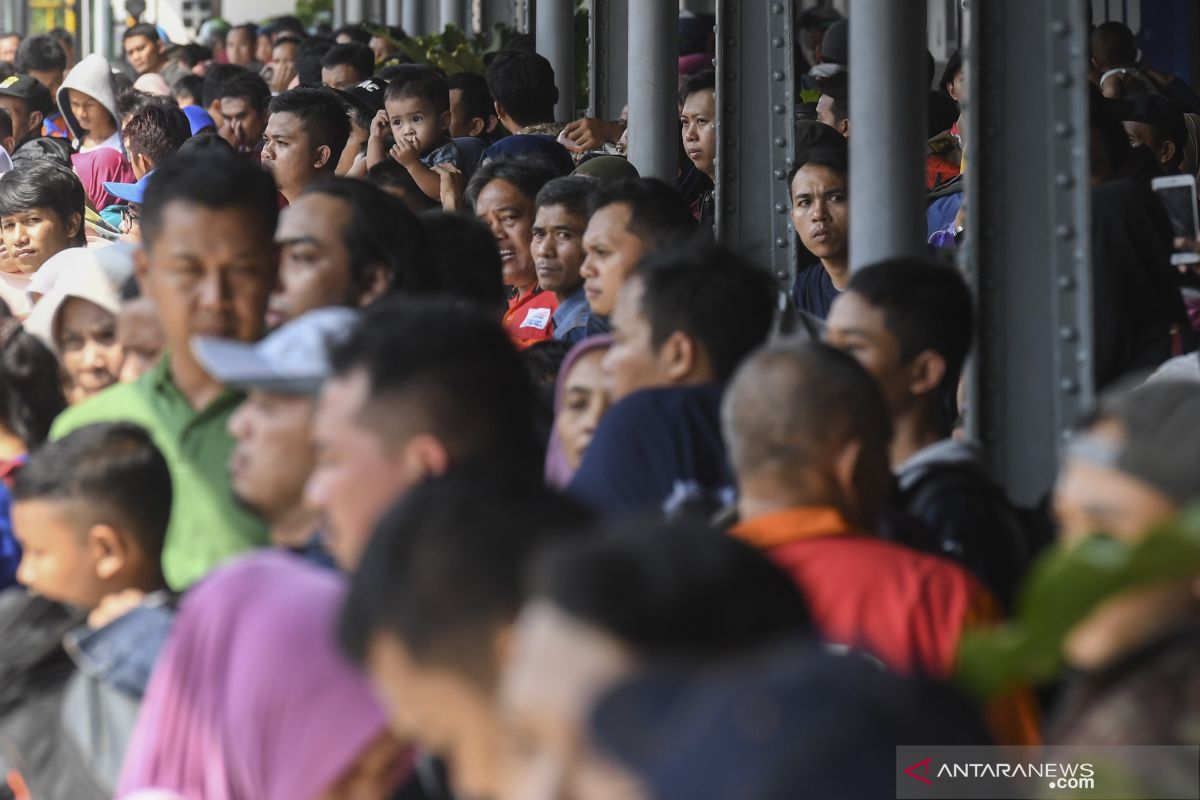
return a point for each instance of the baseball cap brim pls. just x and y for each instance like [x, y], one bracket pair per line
[239, 366]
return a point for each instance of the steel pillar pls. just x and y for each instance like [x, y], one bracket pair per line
[103, 31]
[756, 131]
[414, 17]
[556, 41]
[888, 97]
[339, 13]
[654, 88]
[608, 73]
[83, 42]
[1028, 245]
[394, 13]
[355, 11]
[454, 12]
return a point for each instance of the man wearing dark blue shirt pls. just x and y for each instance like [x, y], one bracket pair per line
[821, 215]
[683, 322]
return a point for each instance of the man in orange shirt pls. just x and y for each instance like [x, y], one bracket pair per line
[503, 192]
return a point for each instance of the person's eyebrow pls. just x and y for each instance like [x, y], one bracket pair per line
[297, 240]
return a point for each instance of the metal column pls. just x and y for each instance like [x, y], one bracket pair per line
[83, 42]
[414, 17]
[1028, 247]
[608, 73]
[102, 33]
[556, 41]
[394, 13]
[339, 13]
[756, 130]
[355, 11]
[888, 97]
[653, 88]
[454, 12]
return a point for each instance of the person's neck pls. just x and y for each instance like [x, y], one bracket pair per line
[513, 126]
[295, 527]
[752, 505]
[193, 382]
[562, 294]
[838, 270]
[96, 138]
[525, 291]
[11, 445]
[915, 430]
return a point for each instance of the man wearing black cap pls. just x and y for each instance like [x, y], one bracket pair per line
[363, 101]
[28, 102]
[1155, 123]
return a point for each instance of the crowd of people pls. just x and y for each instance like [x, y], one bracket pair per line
[368, 432]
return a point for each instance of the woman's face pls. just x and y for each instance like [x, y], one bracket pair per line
[586, 397]
[88, 344]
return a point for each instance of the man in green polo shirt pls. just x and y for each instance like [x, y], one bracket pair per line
[208, 264]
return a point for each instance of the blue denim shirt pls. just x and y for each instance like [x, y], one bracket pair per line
[571, 317]
[123, 652]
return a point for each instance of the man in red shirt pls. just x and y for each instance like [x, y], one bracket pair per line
[503, 192]
[808, 431]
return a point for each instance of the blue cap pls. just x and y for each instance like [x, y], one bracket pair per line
[198, 118]
[129, 192]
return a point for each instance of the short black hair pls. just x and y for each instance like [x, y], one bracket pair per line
[523, 83]
[475, 532]
[189, 87]
[216, 78]
[356, 31]
[356, 55]
[6, 124]
[571, 192]
[391, 172]
[112, 469]
[1113, 42]
[926, 306]
[132, 101]
[463, 252]
[249, 27]
[705, 80]
[672, 590]
[713, 295]
[156, 132]
[141, 29]
[954, 65]
[44, 184]
[382, 234]
[288, 38]
[658, 215]
[203, 142]
[31, 393]
[308, 59]
[41, 53]
[529, 175]
[287, 24]
[837, 87]
[321, 113]
[438, 366]
[63, 36]
[477, 100]
[214, 178]
[426, 85]
[247, 86]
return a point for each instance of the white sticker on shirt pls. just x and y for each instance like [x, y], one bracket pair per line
[537, 318]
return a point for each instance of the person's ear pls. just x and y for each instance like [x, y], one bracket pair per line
[845, 467]
[502, 642]
[477, 127]
[9, 144]
[926, 372]
[324, 153]
[678, 356]
[492, 123]
[423, 457]
[381, 281]
[500, 112]
[444, 120]
[1166, 152]
[110, 550]
[844, 127]
[35, 122]
[74, 224]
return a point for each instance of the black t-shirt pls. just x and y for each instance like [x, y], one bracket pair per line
[813, 291]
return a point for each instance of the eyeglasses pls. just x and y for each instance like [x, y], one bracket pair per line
[131, 215]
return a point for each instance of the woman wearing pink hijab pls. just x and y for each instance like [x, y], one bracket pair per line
[251, 699]
[581, 396]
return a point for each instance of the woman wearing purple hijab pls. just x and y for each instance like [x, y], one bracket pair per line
[251, 699]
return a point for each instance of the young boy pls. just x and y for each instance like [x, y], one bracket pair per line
[89, 105]
[417, 112]
[90, 512]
